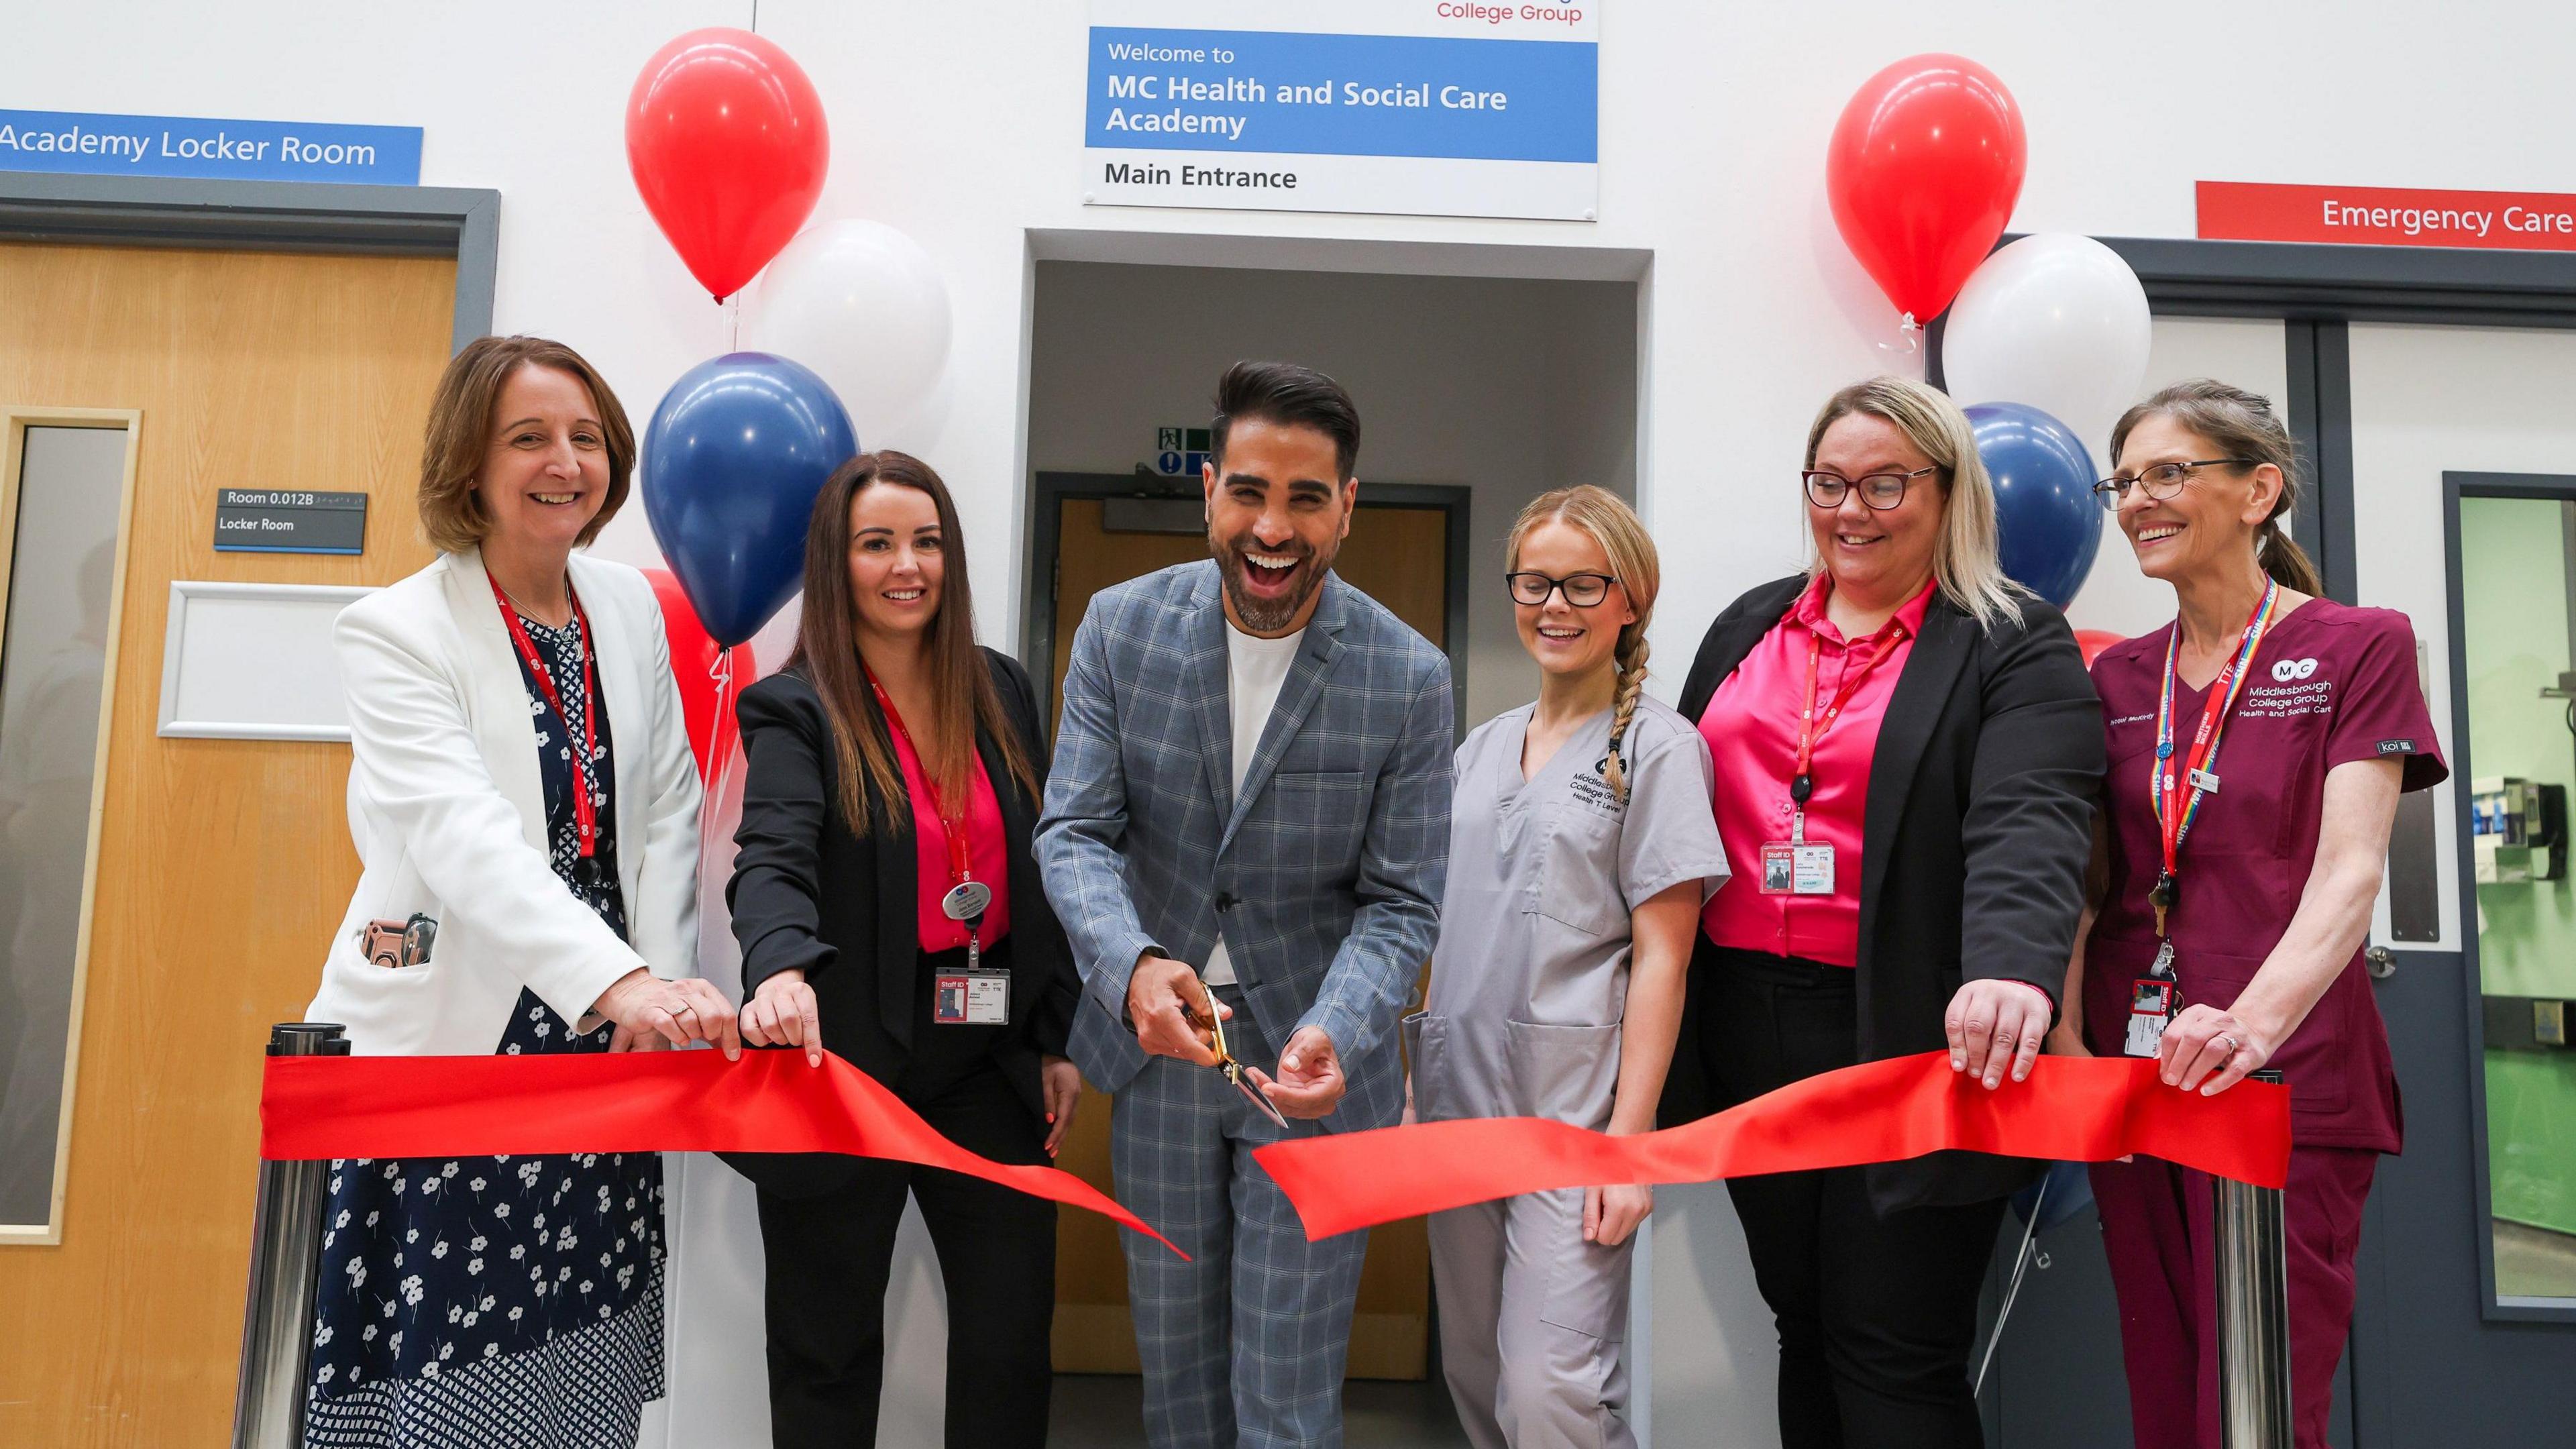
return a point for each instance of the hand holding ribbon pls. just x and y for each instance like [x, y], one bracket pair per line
[2089, 1109]
[693, 1101]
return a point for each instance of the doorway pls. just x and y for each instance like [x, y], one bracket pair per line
[159, 371]
[1478, 393]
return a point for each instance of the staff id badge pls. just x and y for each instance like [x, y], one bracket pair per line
[2151, 1006]
[1797, 868]
[971, 998]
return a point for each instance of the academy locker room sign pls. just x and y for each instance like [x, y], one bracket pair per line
[1418, 107]
[89, 143]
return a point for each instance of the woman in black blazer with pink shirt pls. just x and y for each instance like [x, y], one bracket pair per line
[855, 940]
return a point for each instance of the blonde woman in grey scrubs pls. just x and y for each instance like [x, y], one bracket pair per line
[1581, 851]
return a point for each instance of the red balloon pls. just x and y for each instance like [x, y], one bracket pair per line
[1925, 166]
[2094, 641]
[728, 145]
[707, 688]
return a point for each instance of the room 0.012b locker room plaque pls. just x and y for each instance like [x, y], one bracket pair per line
[285, 520]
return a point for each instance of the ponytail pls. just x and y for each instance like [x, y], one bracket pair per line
[2243, 426]
[2284, 560]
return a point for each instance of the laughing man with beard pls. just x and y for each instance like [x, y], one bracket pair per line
[1247, 820]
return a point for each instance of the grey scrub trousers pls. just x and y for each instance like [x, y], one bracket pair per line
[1528, 983]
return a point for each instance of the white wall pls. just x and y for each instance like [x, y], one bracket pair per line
[960, 122]
[1506, 386]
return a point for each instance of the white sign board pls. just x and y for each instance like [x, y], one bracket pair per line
[1423, 107]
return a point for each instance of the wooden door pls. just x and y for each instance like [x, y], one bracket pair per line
[222, 865]
[1397, 555]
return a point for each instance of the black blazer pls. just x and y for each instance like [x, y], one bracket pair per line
[807, 892]
[1974, 843]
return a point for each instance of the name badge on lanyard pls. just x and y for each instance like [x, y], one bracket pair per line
[2155, 999]
[1798, 866]
[974, 996]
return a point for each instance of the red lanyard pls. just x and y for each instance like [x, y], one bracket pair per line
[1811, 726]
[2174, 813]
[953, 826]
[585, 815]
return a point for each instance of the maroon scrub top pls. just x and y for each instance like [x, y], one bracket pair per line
[2329, 684]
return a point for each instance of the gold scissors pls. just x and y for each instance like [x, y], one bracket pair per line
[1234, 1070]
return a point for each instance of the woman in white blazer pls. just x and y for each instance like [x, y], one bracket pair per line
[525, 804]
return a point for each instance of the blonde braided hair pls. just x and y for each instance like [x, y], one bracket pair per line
[1608, 520]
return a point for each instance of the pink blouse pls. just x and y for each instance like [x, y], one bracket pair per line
[987, 853]
[1751, 725]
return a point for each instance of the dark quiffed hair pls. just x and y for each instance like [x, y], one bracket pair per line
[1291, 396]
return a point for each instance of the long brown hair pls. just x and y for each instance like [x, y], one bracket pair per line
[2238, 424]
[827, 654]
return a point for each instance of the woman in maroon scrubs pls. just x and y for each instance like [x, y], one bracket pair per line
[2258, 746]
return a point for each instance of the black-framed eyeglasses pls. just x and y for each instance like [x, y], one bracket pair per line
[2161, 481]
[1881, 491]
[1581, 590]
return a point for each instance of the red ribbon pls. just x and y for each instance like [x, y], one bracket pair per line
[2088, 1109]
[687, 1101]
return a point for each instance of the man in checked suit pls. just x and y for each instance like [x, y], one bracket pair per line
[1248, 818]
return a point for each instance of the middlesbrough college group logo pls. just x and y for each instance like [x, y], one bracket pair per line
[2285, 670]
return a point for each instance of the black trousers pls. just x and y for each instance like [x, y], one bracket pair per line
[829, 1257]
[1877, 1314]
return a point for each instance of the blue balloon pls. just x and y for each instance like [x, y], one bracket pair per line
[2043, 477]
[733, 459]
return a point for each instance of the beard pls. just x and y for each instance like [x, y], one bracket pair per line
[1270, 616]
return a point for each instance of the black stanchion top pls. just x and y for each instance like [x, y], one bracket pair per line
[308, 1039]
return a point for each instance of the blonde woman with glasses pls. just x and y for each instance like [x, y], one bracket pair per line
[1907, 749]
[1581, 849]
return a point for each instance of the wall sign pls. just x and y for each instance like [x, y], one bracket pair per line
[108, 145]
[2387, 216]
[1180, 452]
[1421, 107]
[266, 520]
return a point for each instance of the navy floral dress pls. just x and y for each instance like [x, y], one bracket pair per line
[500, 1302]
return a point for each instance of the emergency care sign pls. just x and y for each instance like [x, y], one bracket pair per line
[1423, 107]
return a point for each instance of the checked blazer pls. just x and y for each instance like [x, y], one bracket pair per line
[1324, 873]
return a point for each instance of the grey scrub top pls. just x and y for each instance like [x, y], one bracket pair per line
[1530, 975]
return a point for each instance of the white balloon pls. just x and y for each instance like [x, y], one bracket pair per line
[2054, 322]
[863, 306]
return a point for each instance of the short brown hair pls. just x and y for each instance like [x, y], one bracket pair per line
[460, 428]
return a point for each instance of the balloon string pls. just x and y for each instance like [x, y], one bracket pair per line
[1907, 331]
[717, 769]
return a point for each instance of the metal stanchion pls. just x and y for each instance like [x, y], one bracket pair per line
[2253, 1312]
[285, 1257]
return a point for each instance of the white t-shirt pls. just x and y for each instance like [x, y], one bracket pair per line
[1255, 668]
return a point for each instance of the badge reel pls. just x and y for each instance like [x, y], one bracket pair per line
[1798, 866]
[974, 996]
[1234, 1070]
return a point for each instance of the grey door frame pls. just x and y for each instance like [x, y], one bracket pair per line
[2426, 1233]
[1052, 488]
[269, 216]
[2555, 488]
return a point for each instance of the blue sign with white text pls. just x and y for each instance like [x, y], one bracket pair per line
[1344, 95]
[216, 150]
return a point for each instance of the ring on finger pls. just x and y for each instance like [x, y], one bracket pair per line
[2231, 1043]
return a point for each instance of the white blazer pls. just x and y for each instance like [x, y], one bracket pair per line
[449, 816]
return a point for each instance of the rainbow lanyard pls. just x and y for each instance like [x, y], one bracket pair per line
[2174, 811]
